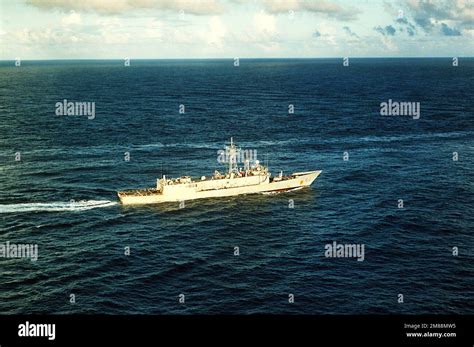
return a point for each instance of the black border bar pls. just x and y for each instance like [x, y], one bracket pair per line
[316, 330]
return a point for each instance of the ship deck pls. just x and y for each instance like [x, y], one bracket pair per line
[140, 192]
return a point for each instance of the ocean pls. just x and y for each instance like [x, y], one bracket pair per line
[400, 186]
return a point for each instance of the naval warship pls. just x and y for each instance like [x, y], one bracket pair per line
[252, 178]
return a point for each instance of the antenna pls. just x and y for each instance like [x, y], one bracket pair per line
[232, 153]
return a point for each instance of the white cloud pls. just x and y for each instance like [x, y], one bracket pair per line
[389, 44]
[71, 19]
[196, 7]
[264, 24]
[260, 28]
[154, 29]
[45, 37]
[329, 8]
[112, 31]
[216, 32]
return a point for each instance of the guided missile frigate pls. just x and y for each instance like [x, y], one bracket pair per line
[252, 178]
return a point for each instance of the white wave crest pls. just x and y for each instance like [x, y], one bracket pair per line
[56, 206]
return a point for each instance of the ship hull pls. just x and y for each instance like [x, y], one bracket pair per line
[299, 181]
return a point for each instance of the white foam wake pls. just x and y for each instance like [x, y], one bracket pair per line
[56, 206]
[284, 191]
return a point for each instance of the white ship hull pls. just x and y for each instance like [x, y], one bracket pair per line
[218, 188]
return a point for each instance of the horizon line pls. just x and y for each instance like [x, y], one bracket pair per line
[248, 58]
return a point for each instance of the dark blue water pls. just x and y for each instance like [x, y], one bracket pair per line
[408, 251]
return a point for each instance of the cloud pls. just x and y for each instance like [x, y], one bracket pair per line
[71, 19]
[264, 24]
[434, 17]
[153, 28]
[328, 8]
[43, 38]
[402, 20]
[111, 30]
[390, 30]
[447, 31]
[325, 36]
[424, 22]
[387, 31]
[428, 14]
[349, 32]
[196, 7]
[404, 23]
[260, 32]
[265, 33]
[216, 33]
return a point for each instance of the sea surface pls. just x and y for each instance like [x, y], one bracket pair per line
[59, 176]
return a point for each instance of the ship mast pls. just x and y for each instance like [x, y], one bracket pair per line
[232, 156]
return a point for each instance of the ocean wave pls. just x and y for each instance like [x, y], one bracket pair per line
[56, 206]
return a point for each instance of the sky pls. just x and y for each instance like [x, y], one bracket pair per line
[167, 29]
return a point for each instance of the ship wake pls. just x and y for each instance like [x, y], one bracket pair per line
[281, 191]
[56, 206]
